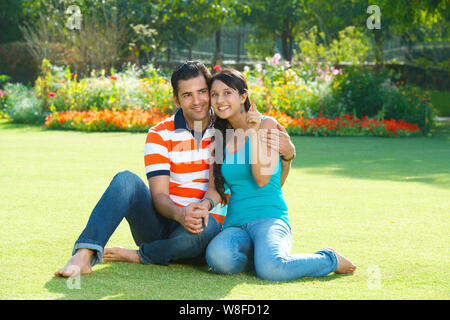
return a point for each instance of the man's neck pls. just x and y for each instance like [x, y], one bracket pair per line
[193, 125]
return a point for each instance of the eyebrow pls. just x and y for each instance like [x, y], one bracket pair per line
[188, 92]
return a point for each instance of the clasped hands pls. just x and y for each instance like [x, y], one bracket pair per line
[195, 215]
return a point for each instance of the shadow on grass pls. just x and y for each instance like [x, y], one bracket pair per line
[418, 159]
[126, 281]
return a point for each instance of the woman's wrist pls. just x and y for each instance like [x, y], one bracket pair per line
[209, 202]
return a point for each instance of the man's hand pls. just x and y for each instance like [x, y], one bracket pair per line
[280, 141]
[193, 216]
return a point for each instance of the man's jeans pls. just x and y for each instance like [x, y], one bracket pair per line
[265, 245]
[160, 240]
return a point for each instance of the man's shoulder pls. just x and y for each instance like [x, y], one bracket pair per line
[165, 125]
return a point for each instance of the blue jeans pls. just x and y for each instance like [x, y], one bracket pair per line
[160, 240]
[265, 245]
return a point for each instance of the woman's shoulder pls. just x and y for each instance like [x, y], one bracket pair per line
[268, 122]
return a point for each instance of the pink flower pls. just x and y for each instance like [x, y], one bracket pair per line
[216, 68]
[276, 59]
[2, 93]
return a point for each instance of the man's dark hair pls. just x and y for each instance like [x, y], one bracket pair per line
[186, 71]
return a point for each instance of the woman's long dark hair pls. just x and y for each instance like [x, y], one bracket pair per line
[234, 79]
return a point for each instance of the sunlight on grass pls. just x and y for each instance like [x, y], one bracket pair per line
[384, 203]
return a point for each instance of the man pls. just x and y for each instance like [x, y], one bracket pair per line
[172, 221]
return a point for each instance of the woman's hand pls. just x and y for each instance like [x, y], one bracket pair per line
[253, 117]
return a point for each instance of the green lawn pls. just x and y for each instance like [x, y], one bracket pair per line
[384, 203]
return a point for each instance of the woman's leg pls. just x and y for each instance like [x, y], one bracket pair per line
[272, 241]
[230, 252]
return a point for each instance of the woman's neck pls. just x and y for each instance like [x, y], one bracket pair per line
[239, 121]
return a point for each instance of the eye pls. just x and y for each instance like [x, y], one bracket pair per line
[214, 94]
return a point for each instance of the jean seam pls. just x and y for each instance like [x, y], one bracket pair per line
[142, 257]
[97, 257]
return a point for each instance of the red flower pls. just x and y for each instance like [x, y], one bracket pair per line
[113, 77]
[216, 68]
[74, 75]
[52, 95]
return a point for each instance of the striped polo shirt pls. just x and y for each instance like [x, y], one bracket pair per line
[172, 149]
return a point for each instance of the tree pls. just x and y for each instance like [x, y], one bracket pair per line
[278, 19]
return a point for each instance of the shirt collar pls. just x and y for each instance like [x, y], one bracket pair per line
[180, 121]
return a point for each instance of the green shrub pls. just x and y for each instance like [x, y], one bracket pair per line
[21, 105]
[363, 92]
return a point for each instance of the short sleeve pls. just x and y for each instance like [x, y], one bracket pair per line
[156, 155]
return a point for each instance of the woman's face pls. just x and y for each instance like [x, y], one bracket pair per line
[226, 101]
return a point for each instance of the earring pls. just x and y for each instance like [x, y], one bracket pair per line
[242, 110]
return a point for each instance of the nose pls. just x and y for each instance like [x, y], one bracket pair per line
[196, 98]
[219, 98]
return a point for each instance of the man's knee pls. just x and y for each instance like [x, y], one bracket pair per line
[127, 180]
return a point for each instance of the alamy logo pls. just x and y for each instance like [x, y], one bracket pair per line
[374, 21]
[74, 20]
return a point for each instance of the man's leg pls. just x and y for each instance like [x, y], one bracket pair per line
[128, 197]
[179, 245]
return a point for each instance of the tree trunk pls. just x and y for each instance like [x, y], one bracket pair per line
[238, 47]
[284, 49]
[379, 55]
[217, 58]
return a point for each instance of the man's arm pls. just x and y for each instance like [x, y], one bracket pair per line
[190, 217]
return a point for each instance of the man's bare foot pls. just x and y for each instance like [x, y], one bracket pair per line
[345, 266]
[79, 263]
[121, 254]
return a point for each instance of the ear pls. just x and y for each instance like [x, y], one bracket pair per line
[244, 97]
[175, 100]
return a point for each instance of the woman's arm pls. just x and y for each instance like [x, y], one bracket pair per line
[279, 141]
[211, 192]
[263, 160]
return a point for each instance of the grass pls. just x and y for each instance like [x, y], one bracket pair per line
[441, 102]
[382, 202]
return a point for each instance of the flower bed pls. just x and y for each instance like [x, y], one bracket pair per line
[141, 120]
[137, 120]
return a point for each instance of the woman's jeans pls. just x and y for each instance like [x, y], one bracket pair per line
[265, 245]
[160, 240]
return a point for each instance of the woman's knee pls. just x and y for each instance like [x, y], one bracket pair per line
[224, 260]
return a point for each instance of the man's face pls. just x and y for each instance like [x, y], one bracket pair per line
[193, 99]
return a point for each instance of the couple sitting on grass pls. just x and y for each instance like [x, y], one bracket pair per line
[215, 177]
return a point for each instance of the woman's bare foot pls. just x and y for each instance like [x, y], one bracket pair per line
[121, 254]
[80, 263]
[345, 266]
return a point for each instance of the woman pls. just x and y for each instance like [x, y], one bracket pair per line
[256, 232]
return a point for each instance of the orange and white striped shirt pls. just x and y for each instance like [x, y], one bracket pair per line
[171, 149]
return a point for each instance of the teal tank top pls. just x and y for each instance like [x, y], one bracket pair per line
[248, 201]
